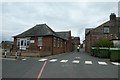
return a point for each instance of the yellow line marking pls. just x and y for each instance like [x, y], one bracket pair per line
[6, 59]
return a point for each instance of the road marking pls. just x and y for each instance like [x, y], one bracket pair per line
[77, 57]
[88, 62]
[64, 61]
[76, 61]
[115, 63]
[53, 60]
[7, 59]
[102, 63]
[24, 59]
[42, 60]
[39, 76]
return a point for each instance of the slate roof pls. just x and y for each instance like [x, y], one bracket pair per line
[6, 42]
[65, 35]
[43, 30]
[108, 23]
[38, 30]
[87, 30]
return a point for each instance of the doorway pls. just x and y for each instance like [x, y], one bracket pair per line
[23, 44]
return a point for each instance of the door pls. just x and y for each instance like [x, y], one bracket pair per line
[23, 44]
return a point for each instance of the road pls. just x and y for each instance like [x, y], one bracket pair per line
[73, 65]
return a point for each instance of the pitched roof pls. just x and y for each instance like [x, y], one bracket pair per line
[6, 42]
[43, 30]
[65, 35]
[105, 24]
[38, 30]
[87, 30]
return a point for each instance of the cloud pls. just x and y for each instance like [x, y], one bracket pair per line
[60, 16]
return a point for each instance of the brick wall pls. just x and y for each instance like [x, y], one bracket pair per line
[58, 45]
[48, 47]
[87, 42]
[97, 34]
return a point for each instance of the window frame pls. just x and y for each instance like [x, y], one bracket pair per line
[40, 41]
[106, 30]
[58, 45]
[54, 42]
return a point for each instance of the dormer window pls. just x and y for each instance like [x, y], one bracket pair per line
[106, 30]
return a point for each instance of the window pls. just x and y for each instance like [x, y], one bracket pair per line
[58, 43]
[54, 41]
[25, 42]
[21, 42]
[116, 43]
[65, 43]
[106, 29]
[39, 41]
[28, 42]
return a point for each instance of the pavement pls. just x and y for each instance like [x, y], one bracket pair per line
[73, 65]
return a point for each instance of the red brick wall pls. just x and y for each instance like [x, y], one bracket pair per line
[59, 49]
[33, 46]
[47, 47]
[69, 46]
[98, 33]
[47, 43]
[91, 38]
[15, 44]
[87, 42]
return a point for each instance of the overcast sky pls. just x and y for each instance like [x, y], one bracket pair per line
[18, 17]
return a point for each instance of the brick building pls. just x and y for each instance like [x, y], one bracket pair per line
[66, 35]
[7, 45]
[83, 44]
[75, 42]
[42, 39]
[109, 30]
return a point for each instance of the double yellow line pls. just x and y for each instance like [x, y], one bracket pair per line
[7, 59]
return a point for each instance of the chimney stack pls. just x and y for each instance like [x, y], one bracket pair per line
[113, 17]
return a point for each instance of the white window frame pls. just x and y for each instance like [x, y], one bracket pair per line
[106, 30]
[58, 45]
[54, 42]
[40, 41]
[28, 42]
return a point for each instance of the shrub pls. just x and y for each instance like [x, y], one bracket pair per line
[103, 43]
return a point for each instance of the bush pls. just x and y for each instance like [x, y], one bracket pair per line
[103, 43]
[102, 48]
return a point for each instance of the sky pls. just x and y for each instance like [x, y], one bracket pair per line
[18, 17]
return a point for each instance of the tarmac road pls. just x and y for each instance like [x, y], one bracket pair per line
[77, 65]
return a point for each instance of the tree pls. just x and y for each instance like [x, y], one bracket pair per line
[103, 43]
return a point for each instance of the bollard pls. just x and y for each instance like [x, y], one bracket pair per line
[16, 55]
[5, 53]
